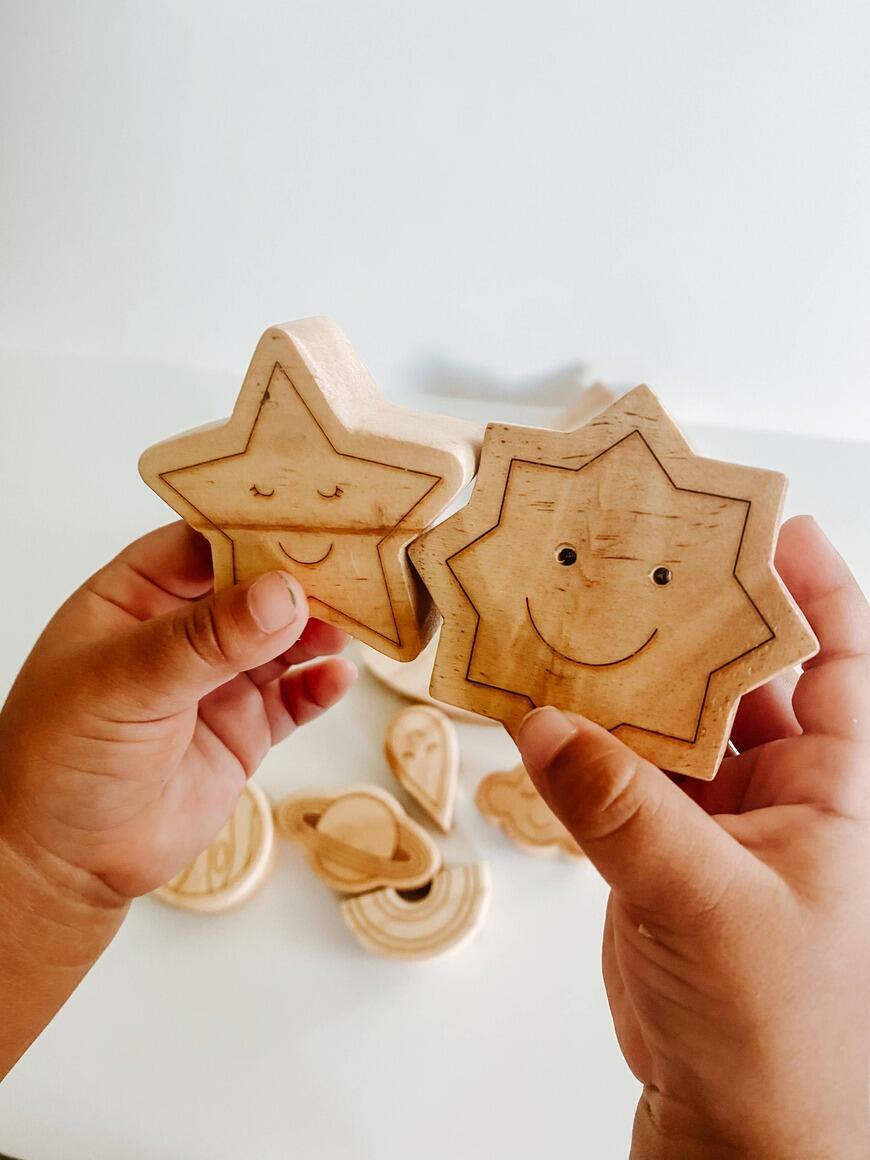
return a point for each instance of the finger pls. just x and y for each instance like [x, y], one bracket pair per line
[833, 695]
[156, 573]
[318, 640]
[170, 663]
[658, 850]
[766, 714]
[305, 694]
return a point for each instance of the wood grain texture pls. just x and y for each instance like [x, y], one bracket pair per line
[411, 679]
[450, 914]
[234, 866]
[316, 474]
[612, 572]
[511, 802]
[358, 839]
[423, 752]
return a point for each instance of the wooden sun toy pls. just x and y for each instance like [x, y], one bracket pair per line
[611, 571]
[316, 474]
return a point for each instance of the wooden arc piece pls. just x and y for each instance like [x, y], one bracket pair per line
[316, 474]
[358, 839]
[423, 753]
[611, 571]
[450, 914]
[511, 802]
[238, 861]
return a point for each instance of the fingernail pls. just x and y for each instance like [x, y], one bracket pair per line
[541, 734]
[272, 601]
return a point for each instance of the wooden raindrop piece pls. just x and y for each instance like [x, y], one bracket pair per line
[316, 474]
[444, 919]
[611, 571]
[358, 839]
[511, 802]
[231, 869]
[411, 680]
[423, 753]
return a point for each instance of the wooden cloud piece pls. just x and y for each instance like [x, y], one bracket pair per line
[423, 753]
[440, 920]
[316, 474]
[511, 802]
[358, 839]
[610, 571]
[236, 863]
[410, 679]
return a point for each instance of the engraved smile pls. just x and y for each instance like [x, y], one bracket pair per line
[587, 664]
[306, 563]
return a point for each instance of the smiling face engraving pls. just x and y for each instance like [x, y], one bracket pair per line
[290, 500]
[596, 578]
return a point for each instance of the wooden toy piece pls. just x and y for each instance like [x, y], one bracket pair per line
[511, 802]
[422, 924]
[358, 839]
[592, 401]
[611, 571]
[411, 680]
[423, 753]
[316, 474]
[230, 870]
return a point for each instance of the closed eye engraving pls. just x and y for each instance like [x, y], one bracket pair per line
[263, 491]
[336, 494]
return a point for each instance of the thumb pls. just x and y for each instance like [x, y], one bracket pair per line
[652, 843]
[168, 663]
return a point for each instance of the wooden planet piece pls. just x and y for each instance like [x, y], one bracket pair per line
[238, 861]
[358, 839]
[411, 679]
[391, 924]
[423, 753]
[511, 802]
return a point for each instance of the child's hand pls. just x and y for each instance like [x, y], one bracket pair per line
[737, 940]
[130, 731]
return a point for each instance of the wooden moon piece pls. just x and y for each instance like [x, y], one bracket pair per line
[511, 802]
[358, 839]
[317, 475]
[423, 753]
[411, 680]
[236, 863]
[610, 571]
[442, 920]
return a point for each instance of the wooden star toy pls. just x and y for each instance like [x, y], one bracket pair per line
[611, 571]
[316, 474]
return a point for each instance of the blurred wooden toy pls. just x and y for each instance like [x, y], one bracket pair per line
[358, 839]
[591, 402]
[425, 923]
[231, 869]
[423, 753]
[411, 680]
[316, 474]
[611, 571]
[511, 802]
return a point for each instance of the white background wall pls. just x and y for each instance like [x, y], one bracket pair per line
[480, 192]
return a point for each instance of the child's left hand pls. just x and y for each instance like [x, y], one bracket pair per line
[144, 706]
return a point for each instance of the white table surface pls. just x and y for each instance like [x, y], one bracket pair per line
[268, 1032]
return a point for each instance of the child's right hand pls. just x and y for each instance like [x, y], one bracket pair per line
[737, 940]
